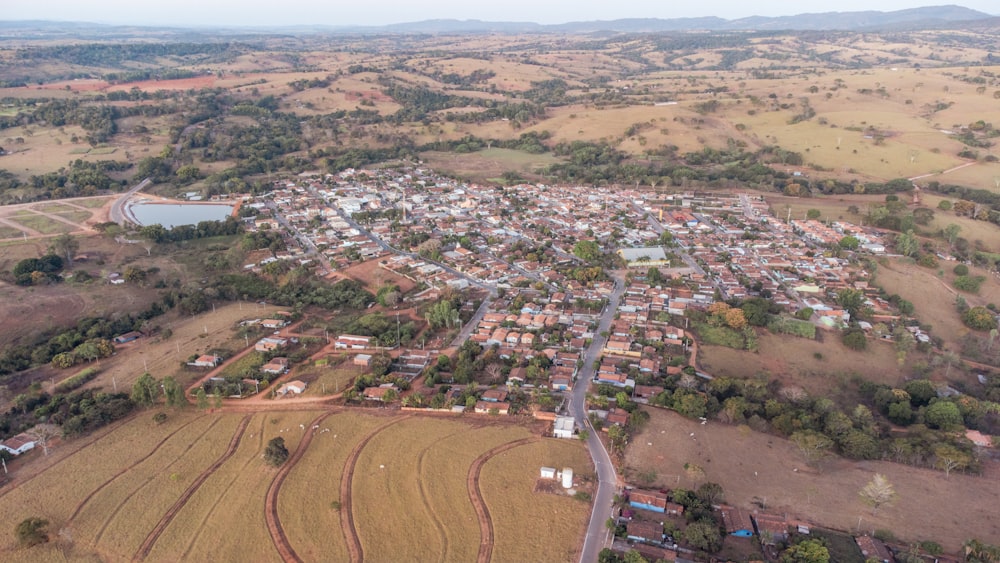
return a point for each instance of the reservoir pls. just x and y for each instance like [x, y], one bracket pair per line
[172, 214]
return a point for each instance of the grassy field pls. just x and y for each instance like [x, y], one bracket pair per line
[489, 163]
[44, 225]
[776, 477]
[557, 520]
[327, 380]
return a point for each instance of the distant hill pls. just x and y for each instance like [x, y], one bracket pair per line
[913, 18]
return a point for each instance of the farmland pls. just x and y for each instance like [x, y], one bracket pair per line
[198, 476]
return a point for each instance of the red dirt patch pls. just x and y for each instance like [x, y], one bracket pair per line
[205, 81]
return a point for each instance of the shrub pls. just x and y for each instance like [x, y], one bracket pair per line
[855, 339]
[77, 380]
[961, 270]
[969, 284]
[32, 531]
[979, 318]
[276, 453]
[927, 260]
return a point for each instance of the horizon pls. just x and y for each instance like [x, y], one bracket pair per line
[304, 13]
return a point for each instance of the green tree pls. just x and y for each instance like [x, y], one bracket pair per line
[144, 390]
[807, 551]
[201, 399]
[849, 242]
[32, 531]
[951, 232]
[173, 392]
[587, 250]
[276, 453]
[979, 318]
[813, 445]
[703, 535]
[944, 415]
[855, 339]
[907, 243]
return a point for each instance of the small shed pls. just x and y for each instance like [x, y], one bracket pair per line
[548, 473]
[567, 478]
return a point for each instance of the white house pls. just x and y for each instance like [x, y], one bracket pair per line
[19, 444]
[563, 427]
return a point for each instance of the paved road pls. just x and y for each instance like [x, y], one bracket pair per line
[597, 533]
[474, 321]
[117, 214]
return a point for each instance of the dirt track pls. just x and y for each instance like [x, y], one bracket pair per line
[154, 535]
[476, 496]
[346, 514]
[278, 536]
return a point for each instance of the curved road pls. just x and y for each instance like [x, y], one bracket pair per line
[117, 213]
[607, 479]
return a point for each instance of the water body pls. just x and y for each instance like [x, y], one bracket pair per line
[171, 214]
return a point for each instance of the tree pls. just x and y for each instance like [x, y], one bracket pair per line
[878, 492]
[979, 318]
[201, 399]
[855, 339]
[42, 434]
[808, 551]
[144, 390]
[849, 242]
[587, 250]
[276, 453]
[907, 243]
[65, 245]
[944, 415]
[173, 392]
[951, 232]
[852, 300]
[813, 445]
[703, 535]
[711, 493]
[949, 458]
[32, 531]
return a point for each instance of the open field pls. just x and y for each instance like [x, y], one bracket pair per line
[489, 164]
[327, 379]
[197, 477]
[777, 477]
[557, 520]
[793, 362]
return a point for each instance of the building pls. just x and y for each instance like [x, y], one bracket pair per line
[206, 361]
[563, 427]
[771, 528]
[873, 549]
[644, 257]
[363, 360]
[495, 395]
[548, 473]
[484, 407]
[291, 388]
[128, 337]
[19, 444]
[352, 342]
[276, 366]
[379, 393]
[646, 532]
[736, 521]
[647, 499]
[269, 344]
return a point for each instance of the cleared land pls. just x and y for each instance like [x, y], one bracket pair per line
[776, 477]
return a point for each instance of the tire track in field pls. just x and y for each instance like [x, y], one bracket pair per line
[111, 517]
[154, 535]
[155, 449]
[425, 497]
[346, 504]
[486, 532]
[218, 500]
[278, 535]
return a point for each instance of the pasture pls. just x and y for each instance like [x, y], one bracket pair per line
[777, 478]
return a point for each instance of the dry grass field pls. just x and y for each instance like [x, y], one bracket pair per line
[556, 520]
[951, 511]
[489, 164]
[180, 488]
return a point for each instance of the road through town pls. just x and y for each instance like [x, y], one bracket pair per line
[597, 532]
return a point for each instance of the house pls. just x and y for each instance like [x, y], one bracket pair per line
[363, 360]
[17, 445]
[617, 416]
[352, 342]
[292, 387]
[648, 532]
[495, 395]
[674, 509]
[273, 324]
[128, 337]
[207, 361]
[646, 499]
[771, 528]
[873, 549]
[276, 366]
[269, 344]
[561, 383]
[736, 521]
[548, 473]
[484, 407]
[563, 427]
[979, 439]
[379, 393]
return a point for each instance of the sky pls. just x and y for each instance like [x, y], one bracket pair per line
[379, 12]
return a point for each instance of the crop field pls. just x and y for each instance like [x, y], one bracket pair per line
[177, 490]
[776, 477]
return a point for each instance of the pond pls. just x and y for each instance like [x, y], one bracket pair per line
[172, 214]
